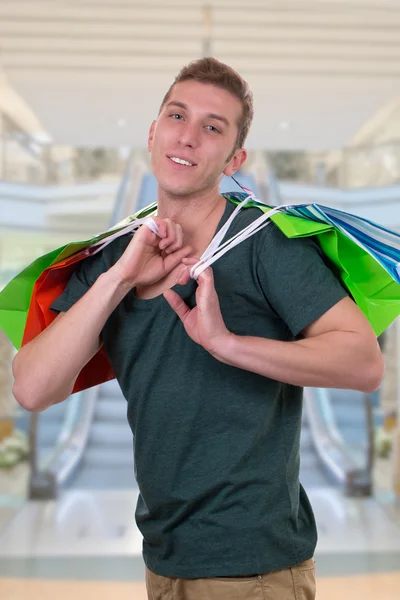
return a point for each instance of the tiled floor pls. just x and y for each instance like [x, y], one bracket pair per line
[86, 544]
[99, 523]
[13, 491]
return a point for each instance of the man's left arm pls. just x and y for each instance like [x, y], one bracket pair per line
[339, 349]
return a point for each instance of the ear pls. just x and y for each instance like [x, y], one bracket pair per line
[151, 136]
[236, 162]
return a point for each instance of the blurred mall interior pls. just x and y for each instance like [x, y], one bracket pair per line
[80, 83]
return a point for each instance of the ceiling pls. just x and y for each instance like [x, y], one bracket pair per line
[94, 72]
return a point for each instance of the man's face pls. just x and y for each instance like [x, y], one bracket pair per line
[198, 125]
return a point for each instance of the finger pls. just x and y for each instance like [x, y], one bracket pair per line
[206, 283]
[206, 277]
[171, 236]
[146, 236]
[177, 304]
[162, 228]
[190, 260]
[173, 260]
[178, 243]
[207, 300]
[183, 276]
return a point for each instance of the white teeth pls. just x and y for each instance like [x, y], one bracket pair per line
[181, 161]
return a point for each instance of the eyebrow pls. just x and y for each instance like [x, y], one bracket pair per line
[209, 115]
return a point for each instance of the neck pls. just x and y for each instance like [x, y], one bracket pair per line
[198, 216]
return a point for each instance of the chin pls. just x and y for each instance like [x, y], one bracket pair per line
[178, 191]
[181, 194]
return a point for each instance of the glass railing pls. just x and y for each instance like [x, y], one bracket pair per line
[369, 166]
[346, 465]
[59, 435]
[372, 166]
[28, 160]
[305, 167]
[25, 160]
[14, 445]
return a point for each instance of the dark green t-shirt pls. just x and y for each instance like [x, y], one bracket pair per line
[217, 447]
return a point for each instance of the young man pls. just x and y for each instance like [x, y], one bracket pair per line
[212, 370]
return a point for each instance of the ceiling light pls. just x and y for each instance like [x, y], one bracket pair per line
[42, 137]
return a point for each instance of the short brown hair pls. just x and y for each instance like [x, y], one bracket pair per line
[211, 70]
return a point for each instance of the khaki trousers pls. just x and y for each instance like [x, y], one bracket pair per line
[295, 583]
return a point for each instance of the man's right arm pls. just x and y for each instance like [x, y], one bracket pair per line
[45, 370]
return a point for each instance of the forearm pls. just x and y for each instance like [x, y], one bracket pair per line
[331, 360]
[46, 369]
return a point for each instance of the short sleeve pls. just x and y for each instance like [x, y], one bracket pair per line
[84, 276]
[296, 279]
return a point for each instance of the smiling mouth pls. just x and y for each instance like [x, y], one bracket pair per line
[181, 161]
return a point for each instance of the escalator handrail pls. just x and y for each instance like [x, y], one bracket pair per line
[331, 448]
[74, 433]
[329, 444]
[71, 418]
[68, 460]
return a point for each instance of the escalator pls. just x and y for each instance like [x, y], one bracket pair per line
[340, 446]
[107, 461]
[312, 472]
[348, 418]
[86, 441]
[94, 446]
[349, 413]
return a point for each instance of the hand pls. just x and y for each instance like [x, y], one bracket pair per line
[150, 257]
[204, 323]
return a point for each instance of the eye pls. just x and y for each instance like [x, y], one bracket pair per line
[176, 116]
[212, 128]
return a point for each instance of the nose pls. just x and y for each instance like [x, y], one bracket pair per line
[189, 135]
